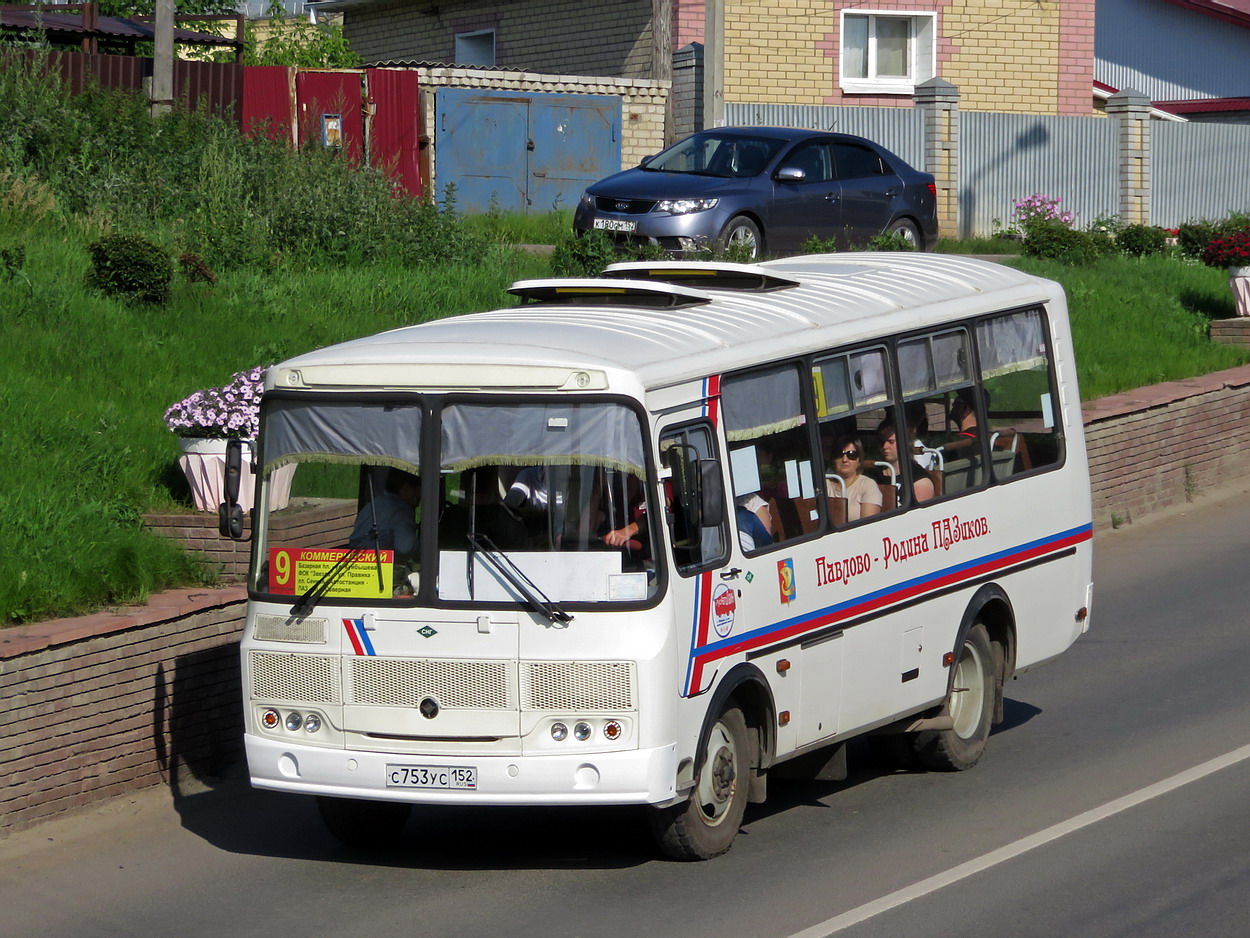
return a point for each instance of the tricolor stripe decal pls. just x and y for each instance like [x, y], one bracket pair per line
[704, 655]
[359, 638]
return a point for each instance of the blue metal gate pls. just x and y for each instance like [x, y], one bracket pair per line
[523, 151]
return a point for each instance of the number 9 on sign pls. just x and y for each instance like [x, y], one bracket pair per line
[282, 567]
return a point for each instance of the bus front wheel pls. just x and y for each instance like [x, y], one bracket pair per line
[358, 823]
[971, 705]
[705, 826]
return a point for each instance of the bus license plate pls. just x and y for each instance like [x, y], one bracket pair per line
[431, 776]
[615, 224]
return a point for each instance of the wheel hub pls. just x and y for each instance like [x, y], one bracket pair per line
[723, 775]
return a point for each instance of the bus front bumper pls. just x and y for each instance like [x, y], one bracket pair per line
[636, 776]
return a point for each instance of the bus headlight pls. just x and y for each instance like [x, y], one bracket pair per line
[294, 721]
[312, 723]
[559, 731]
[581, 731]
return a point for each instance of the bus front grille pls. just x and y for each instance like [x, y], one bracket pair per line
[577, 685]
[301, 678]
[405, 682]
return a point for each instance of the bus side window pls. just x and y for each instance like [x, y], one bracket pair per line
[770, 456]
[1022, 419]
[698, 536]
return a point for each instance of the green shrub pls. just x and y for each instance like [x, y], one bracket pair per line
[130, 267]
[1192, 237]
[1058, 241]
[1141, 240]
[584, 256]
[890, 241]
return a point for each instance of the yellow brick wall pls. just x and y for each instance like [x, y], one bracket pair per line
[1005, 55]
[771, 52]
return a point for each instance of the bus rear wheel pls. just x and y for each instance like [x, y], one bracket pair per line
[705, 826]
[358, 823]
[971, 706]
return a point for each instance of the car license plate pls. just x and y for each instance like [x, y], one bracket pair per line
[615, 224]
[431, 776]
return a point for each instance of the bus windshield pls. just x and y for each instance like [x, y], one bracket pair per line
[535, 502]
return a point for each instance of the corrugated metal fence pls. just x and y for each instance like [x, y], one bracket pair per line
[1198, 170]
[898, 129]
[1006, 157]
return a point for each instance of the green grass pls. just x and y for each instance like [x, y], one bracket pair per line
[88, 379]
[520, 228]
[1140, 321]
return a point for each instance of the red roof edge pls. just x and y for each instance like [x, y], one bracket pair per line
[1204, 105]
[1218, 11]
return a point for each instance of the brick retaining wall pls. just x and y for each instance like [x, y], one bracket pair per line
[99, 705]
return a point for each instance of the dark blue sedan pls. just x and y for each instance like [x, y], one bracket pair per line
[767, 189]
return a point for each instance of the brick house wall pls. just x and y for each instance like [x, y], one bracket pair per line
[1028, 58]
[563, 37]
[104, 704]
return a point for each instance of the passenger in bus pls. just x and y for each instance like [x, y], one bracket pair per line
[753, 521]
[922, 488]
[388, 522]
[863, 497]
[964, 415]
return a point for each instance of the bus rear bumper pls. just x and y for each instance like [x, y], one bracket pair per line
[636, 776]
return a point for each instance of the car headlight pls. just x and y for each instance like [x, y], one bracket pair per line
[588, 200]
[685, 206]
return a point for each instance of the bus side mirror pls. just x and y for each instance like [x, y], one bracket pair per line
[711, 494]
[230, 513]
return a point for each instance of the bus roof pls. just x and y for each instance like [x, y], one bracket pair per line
[738, 315]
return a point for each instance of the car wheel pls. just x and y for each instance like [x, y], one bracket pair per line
[905, 228]
[742, 239]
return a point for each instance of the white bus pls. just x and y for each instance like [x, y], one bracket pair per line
[664, 545]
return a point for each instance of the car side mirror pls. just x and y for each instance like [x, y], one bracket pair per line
[790, 174]
[230, 512]
[647, 159]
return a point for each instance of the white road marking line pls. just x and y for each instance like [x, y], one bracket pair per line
[1024, 845]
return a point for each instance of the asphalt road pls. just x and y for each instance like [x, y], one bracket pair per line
[1112, 802]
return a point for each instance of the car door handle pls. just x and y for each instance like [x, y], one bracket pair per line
[832, 196]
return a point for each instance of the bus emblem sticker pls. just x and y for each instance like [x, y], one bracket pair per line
[785, 580]
[426, 632]
[724, 605]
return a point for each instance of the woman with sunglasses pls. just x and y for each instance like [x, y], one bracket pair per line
[863, 496]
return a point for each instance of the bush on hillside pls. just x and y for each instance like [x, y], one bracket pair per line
[1059, 241]
[132, 268]
[1141, 240]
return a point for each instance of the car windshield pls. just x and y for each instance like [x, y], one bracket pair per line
[536, 503]
[732, 156]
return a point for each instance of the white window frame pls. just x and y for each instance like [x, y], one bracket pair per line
[471, 40]
[922, 53]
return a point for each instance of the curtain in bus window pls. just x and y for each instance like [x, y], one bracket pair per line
[950, 359]
[388, 433]
[1011, 343]
[761, 403]
[868, 378]
[557, 433]
[915, 366]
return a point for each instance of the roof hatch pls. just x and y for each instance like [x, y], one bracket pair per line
[605, 292]
[742, 278]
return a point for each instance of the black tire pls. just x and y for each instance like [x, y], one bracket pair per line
[742, 234]
[356, 823]
[971, 704]
[907, 229]
[705, 826]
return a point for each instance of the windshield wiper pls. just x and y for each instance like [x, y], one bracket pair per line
[504, 566]
[326, 581]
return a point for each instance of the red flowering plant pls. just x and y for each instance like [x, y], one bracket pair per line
[1228, 249]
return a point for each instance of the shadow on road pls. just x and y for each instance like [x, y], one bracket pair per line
[228, 813]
